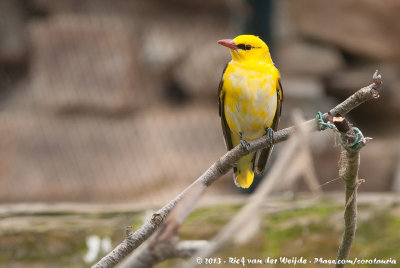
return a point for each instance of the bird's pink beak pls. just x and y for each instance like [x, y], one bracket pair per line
[229, 43]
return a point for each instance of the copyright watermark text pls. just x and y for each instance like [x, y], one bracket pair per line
[289, 260]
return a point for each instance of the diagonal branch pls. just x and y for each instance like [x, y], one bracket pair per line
[250, 211]
[222, 166]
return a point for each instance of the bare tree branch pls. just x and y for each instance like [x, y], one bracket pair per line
[351, 161]
[250, 211]
[348, 170]
[222, 166]
[144, 256]
[162, 246]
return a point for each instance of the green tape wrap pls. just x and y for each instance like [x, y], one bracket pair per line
[358, 142]
[321, 124]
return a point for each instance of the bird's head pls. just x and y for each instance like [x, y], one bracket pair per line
[247, 48]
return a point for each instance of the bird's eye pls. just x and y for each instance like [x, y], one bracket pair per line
[244, 47]
[241, 46]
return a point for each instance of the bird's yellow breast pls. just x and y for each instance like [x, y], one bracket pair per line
[250, 98]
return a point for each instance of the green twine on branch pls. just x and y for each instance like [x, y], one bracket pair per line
[323, 125]
[354, 146]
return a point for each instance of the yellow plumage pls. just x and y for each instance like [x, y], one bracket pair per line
[250, 98]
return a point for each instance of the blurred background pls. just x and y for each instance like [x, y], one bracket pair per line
[116, 101]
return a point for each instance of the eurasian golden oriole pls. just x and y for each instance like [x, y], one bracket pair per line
[250, 101]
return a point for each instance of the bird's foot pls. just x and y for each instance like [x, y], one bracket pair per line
[270, 135]
[244, 143]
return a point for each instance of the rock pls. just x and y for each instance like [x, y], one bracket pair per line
[304, 58]
[364, 28]
[85, 63]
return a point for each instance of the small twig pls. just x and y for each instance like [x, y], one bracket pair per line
[302, 165]
[222, 166]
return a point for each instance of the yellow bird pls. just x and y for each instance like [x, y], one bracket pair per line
[250, 101]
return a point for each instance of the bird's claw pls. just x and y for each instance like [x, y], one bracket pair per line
[270, 135]
[244, 143]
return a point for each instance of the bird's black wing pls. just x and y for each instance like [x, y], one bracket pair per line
[266, 152]
[225, 128]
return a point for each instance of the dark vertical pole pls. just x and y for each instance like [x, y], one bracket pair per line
[259, 21]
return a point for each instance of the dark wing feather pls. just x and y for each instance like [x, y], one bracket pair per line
[220, 99]
[225, 128]
[266, 152]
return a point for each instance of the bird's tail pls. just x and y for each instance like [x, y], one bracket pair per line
[244, 171]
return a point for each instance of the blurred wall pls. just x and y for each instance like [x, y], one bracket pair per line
[116, 100]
